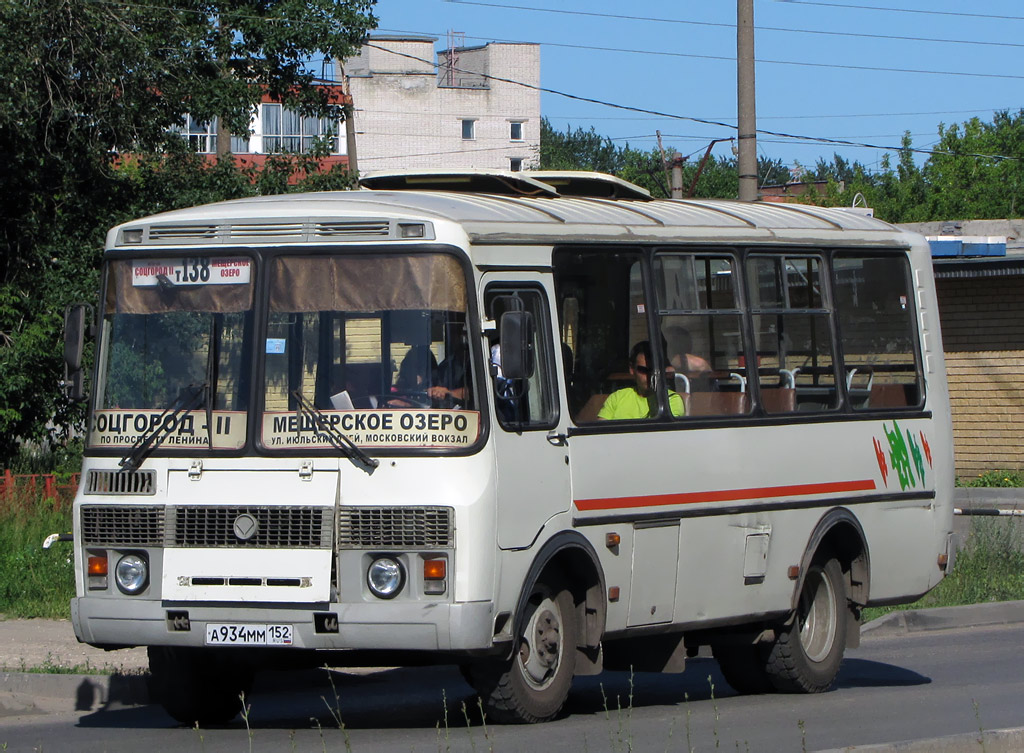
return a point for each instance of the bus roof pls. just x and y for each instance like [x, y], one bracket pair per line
[500, 218]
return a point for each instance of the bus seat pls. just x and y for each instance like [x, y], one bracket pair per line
[588, 413]
[717, 403]
[778, 399]
[888, 395]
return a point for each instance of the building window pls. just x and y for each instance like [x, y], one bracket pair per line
[468, 129]
[515, 164]
[287, 131]
[202, 137]
[239, 144]
[515, 131]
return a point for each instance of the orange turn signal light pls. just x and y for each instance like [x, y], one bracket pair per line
[97, 566]
[435, 569]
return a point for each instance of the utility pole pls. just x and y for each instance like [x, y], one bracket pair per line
[746, 124]
[349, 109]
[677, 176]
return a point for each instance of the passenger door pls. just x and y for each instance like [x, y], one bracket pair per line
[528, 424]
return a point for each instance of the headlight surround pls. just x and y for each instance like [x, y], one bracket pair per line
[131, 573]
[385, 577]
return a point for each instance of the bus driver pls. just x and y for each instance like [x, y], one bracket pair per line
[638, 400]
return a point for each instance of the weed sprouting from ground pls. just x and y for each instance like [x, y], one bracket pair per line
[335, 710]
[447, 732]
[689, 713]
[246, 708]
[714, 705]
[981, 727]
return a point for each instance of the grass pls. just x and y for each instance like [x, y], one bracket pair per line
[34, 582]
[994, 480]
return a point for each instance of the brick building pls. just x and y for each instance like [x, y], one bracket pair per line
[458, 110]
[275, 129]
[981, 306]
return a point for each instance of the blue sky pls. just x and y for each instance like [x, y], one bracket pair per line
[851, 79]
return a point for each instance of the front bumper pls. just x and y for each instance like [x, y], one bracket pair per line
[388, 626]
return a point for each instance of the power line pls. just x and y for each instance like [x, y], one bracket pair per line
[760, 61]
[703, 121]
[713, 24]
[804, 117]
[957, 14]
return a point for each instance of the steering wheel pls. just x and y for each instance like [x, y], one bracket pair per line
[406, 399]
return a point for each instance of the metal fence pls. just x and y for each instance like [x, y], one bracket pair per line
[20, 487]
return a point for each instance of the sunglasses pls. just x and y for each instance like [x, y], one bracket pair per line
[645, 370]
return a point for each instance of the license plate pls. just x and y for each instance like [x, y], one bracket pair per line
[237, 634]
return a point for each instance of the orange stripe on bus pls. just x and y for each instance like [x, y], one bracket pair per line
[725, 495]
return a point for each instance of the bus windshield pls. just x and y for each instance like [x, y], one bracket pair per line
[175, 343]
[374, 346]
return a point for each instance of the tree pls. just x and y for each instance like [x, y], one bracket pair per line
[966, 185]
[587, 150]
[82, 85]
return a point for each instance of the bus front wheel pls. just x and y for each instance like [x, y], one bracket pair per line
[807, 651]
[533, 684]
[198, 686]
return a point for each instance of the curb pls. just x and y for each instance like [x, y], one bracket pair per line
[991, 741]
[30, 692]
[945, 618]
[968, 496]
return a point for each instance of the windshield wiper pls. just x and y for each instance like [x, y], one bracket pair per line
[339, 441]
[188, 398]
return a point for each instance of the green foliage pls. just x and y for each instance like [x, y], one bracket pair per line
[587, 150]
[965, 186]
[995, 479]
[62, 460]
[34, 582]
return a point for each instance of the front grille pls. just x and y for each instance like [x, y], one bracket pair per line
[120, 482]
[122, 525]
[277, 527]
[395, 527]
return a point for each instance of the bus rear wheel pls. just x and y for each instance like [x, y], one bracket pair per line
[533, 684]
[743, 667]
[808, 649]
[198, 686]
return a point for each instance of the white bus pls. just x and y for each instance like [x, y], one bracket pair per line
[376, 426]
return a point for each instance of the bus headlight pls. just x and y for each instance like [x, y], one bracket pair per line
[385, 577]
[131, 573]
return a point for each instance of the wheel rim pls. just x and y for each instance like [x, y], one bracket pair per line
[818, 617]
[540, 651]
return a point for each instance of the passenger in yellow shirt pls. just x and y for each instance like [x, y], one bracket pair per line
[639, 400]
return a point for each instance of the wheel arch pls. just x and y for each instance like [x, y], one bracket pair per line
[839, 533]
[571, 555]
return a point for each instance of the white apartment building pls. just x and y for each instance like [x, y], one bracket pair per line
[460, 111]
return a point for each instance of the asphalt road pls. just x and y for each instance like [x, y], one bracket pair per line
[894, 687]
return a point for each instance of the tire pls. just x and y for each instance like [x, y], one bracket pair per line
[533, 684]
[198, 686]
[808, 649]
[744, 668]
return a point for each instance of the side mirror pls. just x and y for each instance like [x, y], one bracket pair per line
[75, 326]
[516, 332]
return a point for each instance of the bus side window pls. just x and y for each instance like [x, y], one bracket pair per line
[701, 329]
[526, 402]
[796, 364]
[876, 310]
